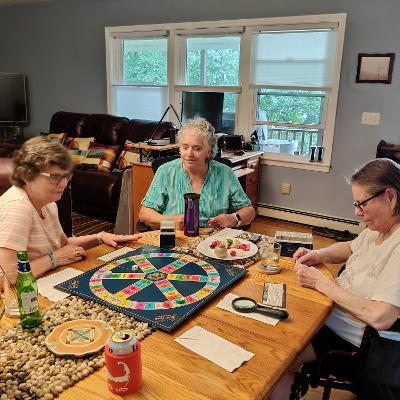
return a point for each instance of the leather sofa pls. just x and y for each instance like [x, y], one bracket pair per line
[96, 194]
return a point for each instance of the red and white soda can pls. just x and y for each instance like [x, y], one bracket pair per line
[123, 362]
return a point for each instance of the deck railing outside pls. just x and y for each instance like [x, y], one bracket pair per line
[289, 140]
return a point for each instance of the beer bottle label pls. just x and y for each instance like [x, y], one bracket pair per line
[29, 302]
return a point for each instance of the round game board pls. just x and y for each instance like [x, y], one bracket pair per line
[171, 279]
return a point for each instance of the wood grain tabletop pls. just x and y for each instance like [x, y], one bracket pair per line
[171, 371]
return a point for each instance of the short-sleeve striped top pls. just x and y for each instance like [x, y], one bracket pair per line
[22, 228]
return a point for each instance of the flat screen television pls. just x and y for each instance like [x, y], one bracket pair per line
[208, 105]
[13, 104]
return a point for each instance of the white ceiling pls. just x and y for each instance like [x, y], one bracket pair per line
[4, 3]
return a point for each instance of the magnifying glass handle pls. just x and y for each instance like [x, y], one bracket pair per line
[273, 312]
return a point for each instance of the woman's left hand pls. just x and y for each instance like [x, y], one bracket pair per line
[222, 221]
[113, 240]
[309, 276]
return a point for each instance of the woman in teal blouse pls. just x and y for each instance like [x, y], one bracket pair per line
[223, 202]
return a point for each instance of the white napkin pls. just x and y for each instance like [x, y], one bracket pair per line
[214, 348]
[115, 253]
[46, 285]
[226, 304]
[226, 233]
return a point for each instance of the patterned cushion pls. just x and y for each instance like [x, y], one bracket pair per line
[100, 157]
[57, 137]
[78, 148]
[129, 155]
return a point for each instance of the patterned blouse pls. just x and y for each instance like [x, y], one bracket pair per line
[221, 192]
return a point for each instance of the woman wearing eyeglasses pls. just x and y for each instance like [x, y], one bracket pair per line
[367, 292]
[29, 216]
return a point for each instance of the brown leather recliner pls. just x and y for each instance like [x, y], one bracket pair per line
[94, 193]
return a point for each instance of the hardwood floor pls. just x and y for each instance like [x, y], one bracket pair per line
[268, 226]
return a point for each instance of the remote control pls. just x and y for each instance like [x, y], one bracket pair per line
[255, 237]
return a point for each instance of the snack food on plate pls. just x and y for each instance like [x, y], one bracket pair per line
[234, 247]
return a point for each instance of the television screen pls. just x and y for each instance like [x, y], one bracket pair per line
[13, 106]
[208, 105]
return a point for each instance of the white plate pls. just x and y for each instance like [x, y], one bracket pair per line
[205, 249]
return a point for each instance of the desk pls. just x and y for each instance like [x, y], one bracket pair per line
[149, 147]
[172, 372]
[246, 167]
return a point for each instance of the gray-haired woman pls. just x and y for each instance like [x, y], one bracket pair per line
[29, 216]
[367, 292]
[223, 202]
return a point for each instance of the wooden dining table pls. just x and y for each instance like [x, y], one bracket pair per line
[170, 371]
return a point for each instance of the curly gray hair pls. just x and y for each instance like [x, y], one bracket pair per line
[200, 127]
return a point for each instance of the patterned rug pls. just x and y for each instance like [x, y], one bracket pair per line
[83, 225]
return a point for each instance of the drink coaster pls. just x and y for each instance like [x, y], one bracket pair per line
[78, 338]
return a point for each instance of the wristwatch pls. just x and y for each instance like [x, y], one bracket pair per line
[238, 219]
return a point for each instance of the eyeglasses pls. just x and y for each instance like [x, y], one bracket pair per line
[57, 178]
[360, 205]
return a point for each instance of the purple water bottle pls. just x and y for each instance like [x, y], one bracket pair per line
[192, 214]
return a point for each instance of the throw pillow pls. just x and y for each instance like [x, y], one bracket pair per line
[129, 155]
[100, 157]
[78, 148]
[57, 137]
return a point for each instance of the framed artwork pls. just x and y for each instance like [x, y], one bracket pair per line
[375, 68]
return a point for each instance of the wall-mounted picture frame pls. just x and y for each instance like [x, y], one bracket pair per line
[375, 68]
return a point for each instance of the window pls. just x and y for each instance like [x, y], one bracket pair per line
[140, 90]
[293, 73]
[279, 76]
[212, 63]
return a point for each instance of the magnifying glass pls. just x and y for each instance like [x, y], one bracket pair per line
[247, 305]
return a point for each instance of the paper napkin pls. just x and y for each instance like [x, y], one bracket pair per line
[214, 348]
[226, 304]
[226, 233]
[46, 285]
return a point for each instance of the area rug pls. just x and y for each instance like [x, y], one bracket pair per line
[83, 225]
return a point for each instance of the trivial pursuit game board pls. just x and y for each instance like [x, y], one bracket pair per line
[158, 286]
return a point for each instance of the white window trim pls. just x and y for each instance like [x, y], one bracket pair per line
[246, 101]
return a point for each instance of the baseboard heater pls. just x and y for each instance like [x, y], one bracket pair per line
[309, 218]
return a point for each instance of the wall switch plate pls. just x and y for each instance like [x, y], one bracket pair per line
[285, 188]
[369, 118]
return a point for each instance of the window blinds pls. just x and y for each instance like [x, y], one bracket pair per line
[293, 57]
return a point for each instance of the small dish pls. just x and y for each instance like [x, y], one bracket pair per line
[205, 249]
[78, 338]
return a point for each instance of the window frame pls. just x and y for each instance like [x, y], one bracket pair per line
[246, 91]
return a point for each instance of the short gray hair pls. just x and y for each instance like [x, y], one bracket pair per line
[377, 175]
[200, 127]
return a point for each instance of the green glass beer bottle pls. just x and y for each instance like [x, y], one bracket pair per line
[27, 293]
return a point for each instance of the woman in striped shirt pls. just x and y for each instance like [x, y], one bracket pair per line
[29, 216]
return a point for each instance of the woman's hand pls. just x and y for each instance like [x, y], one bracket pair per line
[113, 240]
[309, 276]
[222, 221]
[179, 221]
[69, 254]
[307, 256]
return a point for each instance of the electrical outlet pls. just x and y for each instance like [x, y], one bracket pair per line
[285, 188]
[369, 118]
